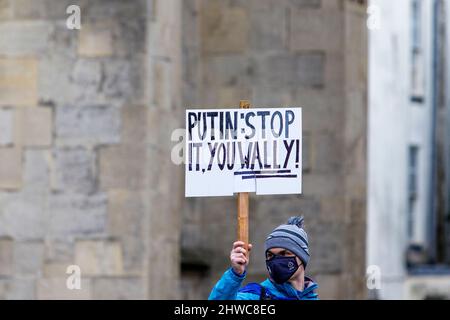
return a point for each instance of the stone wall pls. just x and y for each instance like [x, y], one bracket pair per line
[82, 117]
[307, 53]
[86, 122]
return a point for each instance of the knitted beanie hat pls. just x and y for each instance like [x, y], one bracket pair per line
[290, 236]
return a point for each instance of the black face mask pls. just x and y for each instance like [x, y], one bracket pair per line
[281, 269]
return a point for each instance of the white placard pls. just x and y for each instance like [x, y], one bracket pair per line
[243, 150]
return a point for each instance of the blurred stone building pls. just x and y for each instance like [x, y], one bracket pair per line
[86, 122]
[409, 149]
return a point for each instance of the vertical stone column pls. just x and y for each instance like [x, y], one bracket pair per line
[288, 53]
[165, 179]
[355, 149]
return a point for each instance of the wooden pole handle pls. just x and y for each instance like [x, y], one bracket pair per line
[243, 202]
[243, 217]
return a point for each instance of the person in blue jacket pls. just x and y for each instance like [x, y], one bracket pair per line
[287, 255]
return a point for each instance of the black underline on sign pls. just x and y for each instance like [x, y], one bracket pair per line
[240, 173]
[262, 176]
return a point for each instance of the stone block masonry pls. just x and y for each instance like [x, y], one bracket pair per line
[286, 53]
[74, 148]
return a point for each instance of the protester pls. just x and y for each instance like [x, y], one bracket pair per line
[287, 255]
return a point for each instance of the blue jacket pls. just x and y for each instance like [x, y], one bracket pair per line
[229, 288]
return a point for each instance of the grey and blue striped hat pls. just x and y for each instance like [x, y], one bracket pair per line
[290, 236]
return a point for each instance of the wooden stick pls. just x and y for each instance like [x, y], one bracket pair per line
[243, 202]
[243, 218]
